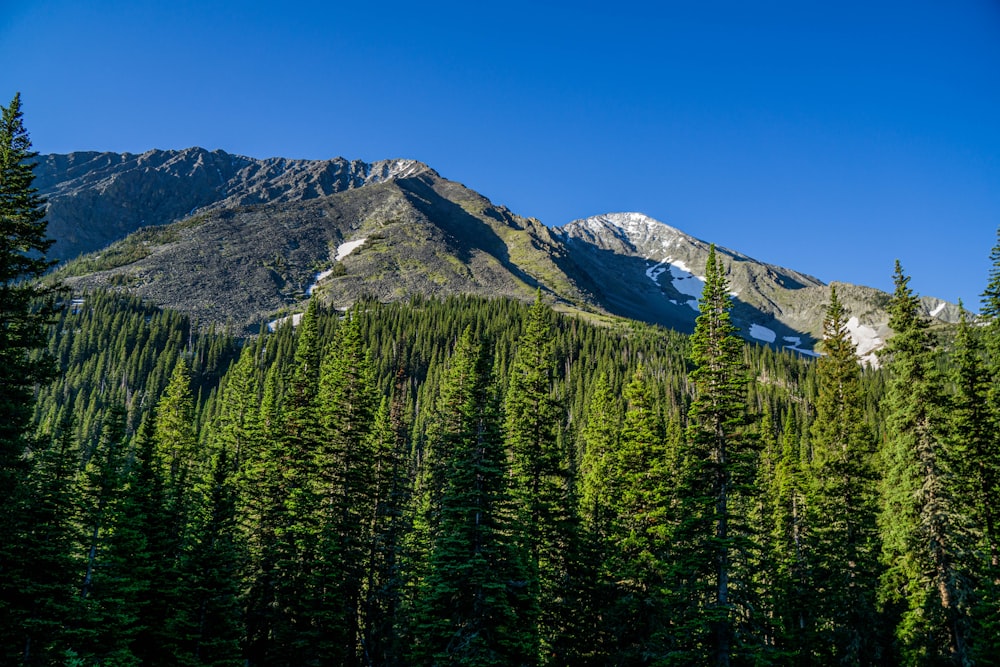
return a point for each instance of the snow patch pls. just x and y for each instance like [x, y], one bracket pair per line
[681, 277]
[762, 333]
[274, 324]
[345, 249]
[796, 346]
[937, 310]
[866, 339]
[319, 276]
[633, 227]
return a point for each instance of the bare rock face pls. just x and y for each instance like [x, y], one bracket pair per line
[653, 271]
[239, 241]
[97, 198]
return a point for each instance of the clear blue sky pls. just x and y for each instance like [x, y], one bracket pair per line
[831, 138]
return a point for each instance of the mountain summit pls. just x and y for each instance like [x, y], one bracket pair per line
[97, 198]
[236, 240]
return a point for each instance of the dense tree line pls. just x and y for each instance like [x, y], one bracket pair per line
[484, 482]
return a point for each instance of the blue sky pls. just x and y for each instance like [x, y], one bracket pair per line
[831, 138]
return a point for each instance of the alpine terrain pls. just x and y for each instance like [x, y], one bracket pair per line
[240, 241]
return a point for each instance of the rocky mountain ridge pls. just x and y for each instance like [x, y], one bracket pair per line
[241, 241]
[97, 198]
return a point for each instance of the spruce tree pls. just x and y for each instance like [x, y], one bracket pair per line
[180, 469]
[714, 609]
[465, 611]
[25, 309]
[600, 486]
[48, 559]
[988, 472]
[384, 591]
[976, 452]
[143, 552]
[925, 545]
[290, 473]
[236, 427]
[540, 482]
[789, 529]
[843, 545]
[103, 629]
[262, 489]
[344, 492]
[641, 529]
[991, 295]
[208, 625]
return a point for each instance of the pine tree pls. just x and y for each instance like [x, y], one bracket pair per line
[925, 583]
[641, 529]
[843, 545]
[177, 442]
[25, 309]
[208, 624]
[48, 561]
[465, 611]
[344, 493]
[143, 551]
[788, 538]
[991, 295]
[103, 629]
[600, 486]
[973, 373]
[540, 483]
[384, 590]
[236, 428]
[714, 613]
[262, 489]
[296, 546]
[976, 451]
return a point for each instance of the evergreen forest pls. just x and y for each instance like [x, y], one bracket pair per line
[474, 481]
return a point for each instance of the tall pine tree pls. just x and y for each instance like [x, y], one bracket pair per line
[465, 611]
[843, 545]
[713, 604]
[541, 483]
[22, 331]
[925, 585]
[345, 494]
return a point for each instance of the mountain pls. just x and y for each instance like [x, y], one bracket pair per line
[406, 232]
[97, 198]
[651, 271]
[238, 241]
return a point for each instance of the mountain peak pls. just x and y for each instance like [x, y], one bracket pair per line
[630, 222]
[92, 196]
[629, 232]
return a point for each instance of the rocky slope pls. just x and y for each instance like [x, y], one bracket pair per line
[413, 234]
[97, 198]
[238, 241]
[653, 269]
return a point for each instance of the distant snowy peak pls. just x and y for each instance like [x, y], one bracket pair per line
[634, 233]
[632, 225]
[386, 170]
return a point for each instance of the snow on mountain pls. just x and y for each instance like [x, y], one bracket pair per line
[635, 229]
[681, 277]
[867, 340]
[296, 319]
[345, 249]
[795, 345]
[762, 333]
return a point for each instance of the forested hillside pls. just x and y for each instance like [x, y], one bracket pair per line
[480, 481]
